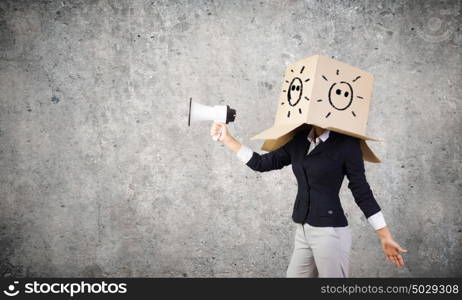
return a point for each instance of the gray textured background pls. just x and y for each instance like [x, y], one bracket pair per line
[100, 175]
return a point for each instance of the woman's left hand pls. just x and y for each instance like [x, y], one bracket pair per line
[392, 251]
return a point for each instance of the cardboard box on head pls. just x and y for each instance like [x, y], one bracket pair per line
[324, 92]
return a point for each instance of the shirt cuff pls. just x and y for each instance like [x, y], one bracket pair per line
[244, 154]
[377, 220]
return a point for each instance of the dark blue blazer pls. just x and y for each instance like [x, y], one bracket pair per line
[320, 175]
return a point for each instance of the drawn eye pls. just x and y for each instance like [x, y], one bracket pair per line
[346, 94]
[338, 91]
[293, 88]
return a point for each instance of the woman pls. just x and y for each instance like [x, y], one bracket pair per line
[320, 160]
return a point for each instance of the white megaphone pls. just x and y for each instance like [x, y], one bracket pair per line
[217, 113]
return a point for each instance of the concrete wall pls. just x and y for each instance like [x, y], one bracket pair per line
[100, 175]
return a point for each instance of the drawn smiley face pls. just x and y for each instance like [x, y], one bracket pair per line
[340, 95]
[294, 94]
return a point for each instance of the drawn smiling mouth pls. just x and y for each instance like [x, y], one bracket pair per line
[11, 294]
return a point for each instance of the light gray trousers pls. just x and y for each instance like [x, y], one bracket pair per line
[320, 252]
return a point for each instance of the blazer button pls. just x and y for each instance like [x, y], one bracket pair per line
[329, 212]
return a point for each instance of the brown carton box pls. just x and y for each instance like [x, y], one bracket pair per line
[324, 92]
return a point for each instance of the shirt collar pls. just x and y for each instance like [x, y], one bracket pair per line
[323, 137]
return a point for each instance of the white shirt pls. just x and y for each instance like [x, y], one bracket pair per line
[313, 143]
[377, 221]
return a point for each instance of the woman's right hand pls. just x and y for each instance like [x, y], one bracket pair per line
[226, 138]
[215, 130]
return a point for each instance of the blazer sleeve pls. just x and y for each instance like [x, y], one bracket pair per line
[354, 169]
[273, 160]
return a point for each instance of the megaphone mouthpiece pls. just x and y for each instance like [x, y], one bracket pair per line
[230, 114]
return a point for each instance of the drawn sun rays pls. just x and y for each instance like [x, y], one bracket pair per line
[295, 91]
[341, 94]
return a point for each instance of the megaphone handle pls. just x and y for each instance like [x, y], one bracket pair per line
[216, 137]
